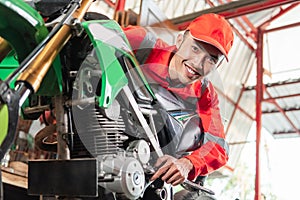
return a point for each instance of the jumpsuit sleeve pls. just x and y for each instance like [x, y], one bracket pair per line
[143, 42]
[213, 153]
[135, 36]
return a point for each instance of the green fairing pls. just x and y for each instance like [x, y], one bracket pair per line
[3, 122]
[23, 28]
[113, 77]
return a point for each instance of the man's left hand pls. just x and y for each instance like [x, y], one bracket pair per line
[173, 171]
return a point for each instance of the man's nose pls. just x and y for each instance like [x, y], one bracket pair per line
[197, 61]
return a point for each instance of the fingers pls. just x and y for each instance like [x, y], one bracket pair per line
[171, 170]
[169, 173]
[176, 181]
[173, 176]
[162, 170]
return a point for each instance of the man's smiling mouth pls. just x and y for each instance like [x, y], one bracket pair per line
[191, 70]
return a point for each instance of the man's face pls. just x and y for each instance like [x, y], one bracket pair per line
[193, 60]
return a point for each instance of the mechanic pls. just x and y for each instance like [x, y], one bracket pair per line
[182, 69]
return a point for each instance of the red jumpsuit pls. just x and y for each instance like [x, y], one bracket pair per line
[154, 56]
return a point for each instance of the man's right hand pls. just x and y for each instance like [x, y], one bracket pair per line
[173, 171]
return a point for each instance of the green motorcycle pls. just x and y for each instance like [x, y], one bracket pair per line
[56, 57]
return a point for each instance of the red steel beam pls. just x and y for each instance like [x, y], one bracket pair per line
[110, 3]
[236, 107]
[283, 113]
[283, 27]
[232, 9]
[271, 99]
[118, 5]
[250, 24]
[235, 104]
[247, 32]
[256, 7]
[282, 12]
[259, 98]
[244, 39]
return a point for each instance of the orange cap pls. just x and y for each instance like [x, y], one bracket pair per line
[213, 29]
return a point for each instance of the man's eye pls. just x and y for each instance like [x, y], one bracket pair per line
[211, 60]
[195, 49]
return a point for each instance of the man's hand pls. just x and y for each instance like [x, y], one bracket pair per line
[173, 171]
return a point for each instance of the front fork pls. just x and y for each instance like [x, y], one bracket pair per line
[62, 124]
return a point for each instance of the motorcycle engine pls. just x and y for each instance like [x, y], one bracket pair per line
[121, 158]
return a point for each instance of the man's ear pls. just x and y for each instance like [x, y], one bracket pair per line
[179, 40]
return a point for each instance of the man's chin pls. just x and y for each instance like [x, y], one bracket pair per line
[191, 80]
[188, 82]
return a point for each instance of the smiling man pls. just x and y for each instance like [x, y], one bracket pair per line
[182, 69]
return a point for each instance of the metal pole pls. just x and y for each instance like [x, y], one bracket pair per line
[259, 98]
[120, 5]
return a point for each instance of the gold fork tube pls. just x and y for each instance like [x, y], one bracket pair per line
[37, 70]
[5, 48]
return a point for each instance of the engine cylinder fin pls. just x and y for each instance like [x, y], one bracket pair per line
[107, 134]
[101, 135]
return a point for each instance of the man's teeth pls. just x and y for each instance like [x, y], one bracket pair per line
[191, 71]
